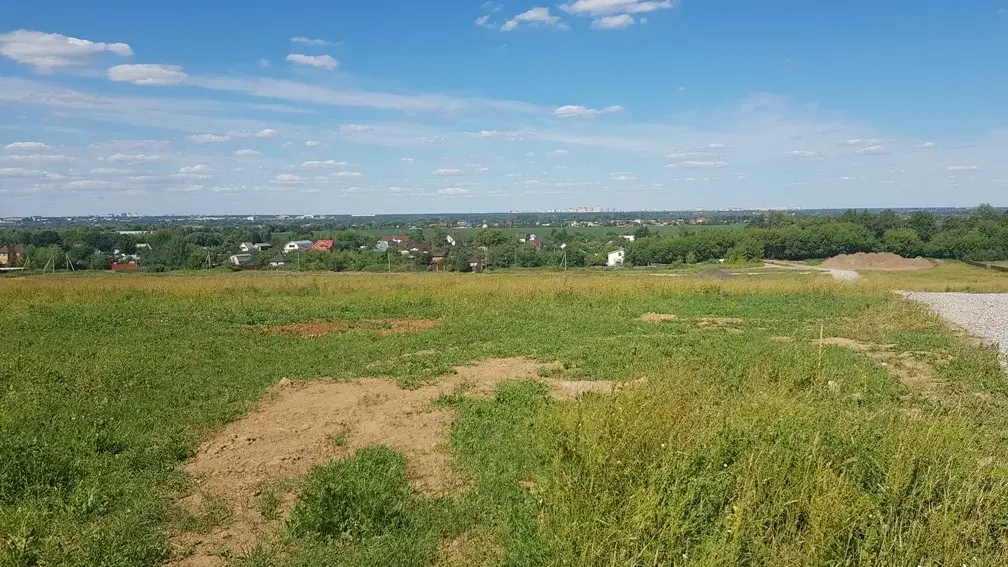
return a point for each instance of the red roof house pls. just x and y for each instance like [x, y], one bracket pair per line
[322, 246]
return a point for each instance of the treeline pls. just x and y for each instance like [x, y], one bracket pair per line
[981, 235]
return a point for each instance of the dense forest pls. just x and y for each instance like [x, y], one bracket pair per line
[980, 235]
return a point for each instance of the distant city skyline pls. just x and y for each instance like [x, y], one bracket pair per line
[409, 107]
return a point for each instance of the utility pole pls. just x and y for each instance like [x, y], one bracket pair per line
[388, 256]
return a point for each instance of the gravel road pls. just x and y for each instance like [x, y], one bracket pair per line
[983, 314]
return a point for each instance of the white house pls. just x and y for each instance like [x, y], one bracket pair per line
[628, 237]
[241, 259]
[257, 247]
[616, 258]
[246, 247]
[278, 261]
[295, 245]
[382, 246]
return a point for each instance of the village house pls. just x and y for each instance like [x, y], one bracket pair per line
[524, 237]
[241, 259]
[11, 255]
[278, 261]
[396, 238]
[616, 258]
[249, 247]
[323, 246]
[455, 239]
[298, 246]
[628, 237]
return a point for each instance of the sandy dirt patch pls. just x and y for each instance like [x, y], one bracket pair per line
[384, 327]
[877, 261]
[914, 373]
[302, 425]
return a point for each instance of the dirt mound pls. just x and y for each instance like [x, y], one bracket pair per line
[384, 327]
[876, 261]
[303, 425]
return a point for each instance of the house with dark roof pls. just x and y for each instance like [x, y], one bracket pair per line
[11, 255]
[456, 239]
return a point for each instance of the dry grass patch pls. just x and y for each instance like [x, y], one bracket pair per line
[384, 327]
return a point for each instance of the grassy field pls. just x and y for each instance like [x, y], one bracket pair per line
[739, 438]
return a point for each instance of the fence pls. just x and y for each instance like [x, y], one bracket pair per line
[987, 266]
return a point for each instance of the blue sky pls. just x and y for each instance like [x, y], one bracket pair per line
[399, 107]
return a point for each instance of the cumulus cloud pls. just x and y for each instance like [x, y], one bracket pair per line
[447, 171]
[621, 176]
[20, 172]
[485, 134]
[312, 144]
[288, 178]
[267, 133]
[876, 150]
[537, 17]
[484, 22]
[264, 63]
[698, 164]
[574, 111]
[617, 22]
[27, 147]
[198, 168]
[803, 154]
[406, 160]
[245, 153]
[310, 41]
[134, 159]
[963, 168]
[927, 145]
[147, 74]
[355, 128]
[90, 184]
[348, 174]
[326, 163]
[319, 61]
[49, 51]
[36, 157]
[207, 138]
[596, 8]
[452, 191]
[557, 153]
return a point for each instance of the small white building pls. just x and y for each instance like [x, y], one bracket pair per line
[616, 258]
[257, 247]
[628, 237]
[295, 245]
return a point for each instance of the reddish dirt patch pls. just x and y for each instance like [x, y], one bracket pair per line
[303, 425]
[877, 261]
[384, 327]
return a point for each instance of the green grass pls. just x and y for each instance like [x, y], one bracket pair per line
[737, 448]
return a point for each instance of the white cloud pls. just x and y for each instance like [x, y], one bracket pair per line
[617, 22]
[963, 168]
[406, 160]
[245, 153]
[90, 184]
[536, 17]
[492, 6]
[310, 41]
[264, 63]
[927, 145]
[355, 128]
[803, 154]
[27, 146]
[1003, 12]
[447, 171]
[288, 178]
[198, 168]
[485, 134]
[320, 61]
[698, 164]
[49, 51]
[572, 111]
[876, 150]
[36, 157]
[326, 163]
[557, 153]
[207, 138]
[111, 171]
[453, 191]
[147, 74]
[20, 172]
[621, 176]
[312, 144]
[484, 21]
[267, 133]
[860, 142]
[595, 8]
[348, 174]
[134, 159]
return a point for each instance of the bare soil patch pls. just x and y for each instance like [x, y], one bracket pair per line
[384, 327]
[877, 261]
[914, 373]
[302, 425]
[658, 317]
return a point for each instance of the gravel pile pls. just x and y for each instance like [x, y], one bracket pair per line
[983, 314]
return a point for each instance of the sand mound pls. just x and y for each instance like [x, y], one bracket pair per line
[876, 261]
[303, 425]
